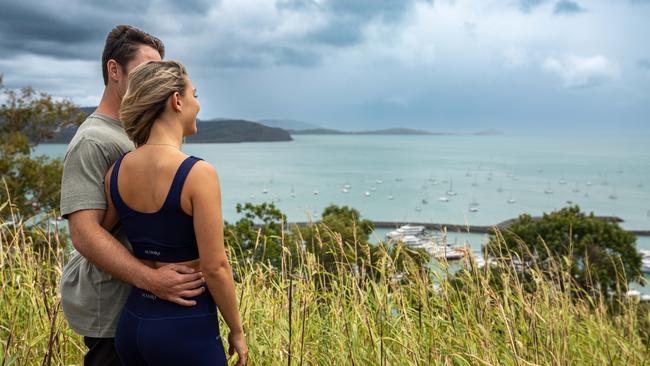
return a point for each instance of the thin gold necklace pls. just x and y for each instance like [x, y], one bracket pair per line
[178, 147]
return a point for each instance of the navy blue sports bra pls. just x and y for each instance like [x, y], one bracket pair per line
[166, 235]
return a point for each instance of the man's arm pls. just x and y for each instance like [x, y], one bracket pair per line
[83, 203]
[171, 282]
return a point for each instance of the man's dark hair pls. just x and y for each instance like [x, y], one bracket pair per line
[122, 44]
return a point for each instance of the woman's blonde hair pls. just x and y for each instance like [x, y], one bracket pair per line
[149, 86]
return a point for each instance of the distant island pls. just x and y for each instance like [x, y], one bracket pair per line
[296, 127]
[230, 130]
[209, 131]
[236, 130]
[388, 131]
[288, 124]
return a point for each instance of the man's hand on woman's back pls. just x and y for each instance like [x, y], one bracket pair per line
[171, 282]
[175, 282]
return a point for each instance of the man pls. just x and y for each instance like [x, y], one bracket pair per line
[98, 277]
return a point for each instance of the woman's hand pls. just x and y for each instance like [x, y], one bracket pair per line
[237, 342]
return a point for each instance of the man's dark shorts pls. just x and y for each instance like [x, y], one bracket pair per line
[101, 352]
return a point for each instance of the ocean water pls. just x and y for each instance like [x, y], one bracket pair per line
[486, 170]
[609, 176]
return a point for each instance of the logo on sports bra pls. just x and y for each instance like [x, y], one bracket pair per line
[149, 296]
[152, 252]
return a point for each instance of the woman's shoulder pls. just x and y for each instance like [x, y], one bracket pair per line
[204, 169]
[203, 179]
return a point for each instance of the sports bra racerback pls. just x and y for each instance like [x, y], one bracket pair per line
[166, 235]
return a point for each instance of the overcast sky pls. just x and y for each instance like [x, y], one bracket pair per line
[520, 66]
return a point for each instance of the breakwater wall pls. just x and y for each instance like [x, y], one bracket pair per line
[476, 229]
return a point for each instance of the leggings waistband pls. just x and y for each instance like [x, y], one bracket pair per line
[146, 305]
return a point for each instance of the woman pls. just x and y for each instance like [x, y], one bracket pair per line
[170, 206]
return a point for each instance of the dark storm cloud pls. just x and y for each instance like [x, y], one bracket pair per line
[64, 29]
[341, 24]
[260, 56]
[527, 6]
[71, 30]
[644, 64]
[567, 7]
[25, 29]
[358, 9]
[388, 10]
[347, 19]
[77, 30]
[133, 6]
[297, 57]
[338, 32]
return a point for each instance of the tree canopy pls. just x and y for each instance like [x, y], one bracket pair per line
[28, 118]
[599, 253]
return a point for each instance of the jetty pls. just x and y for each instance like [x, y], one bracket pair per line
[475, 229]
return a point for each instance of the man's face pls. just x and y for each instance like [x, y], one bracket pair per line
[144, 54]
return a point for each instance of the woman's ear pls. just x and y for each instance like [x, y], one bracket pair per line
[177, 104]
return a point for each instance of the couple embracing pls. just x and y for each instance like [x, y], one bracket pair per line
[150, 269]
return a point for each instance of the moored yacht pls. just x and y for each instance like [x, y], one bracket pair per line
[404, 230]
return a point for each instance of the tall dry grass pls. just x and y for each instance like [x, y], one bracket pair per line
[303, 315]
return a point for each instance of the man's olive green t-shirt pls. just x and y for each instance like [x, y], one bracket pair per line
[92, 299]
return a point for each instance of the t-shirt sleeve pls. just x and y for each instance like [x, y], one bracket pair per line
[82, 184]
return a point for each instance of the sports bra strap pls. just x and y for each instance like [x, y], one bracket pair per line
[174, 195]
[117, 199]
[173, 198]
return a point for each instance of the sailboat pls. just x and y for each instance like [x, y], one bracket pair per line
[432, 180]
[425, 200]
[613, 195]
[475, 182]
[293, 192]
[548, 189]
[500, 189]
[576, 189]
[510, 199]
[451, 192]
[473, 206]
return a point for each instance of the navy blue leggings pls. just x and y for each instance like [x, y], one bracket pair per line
[155, 332]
